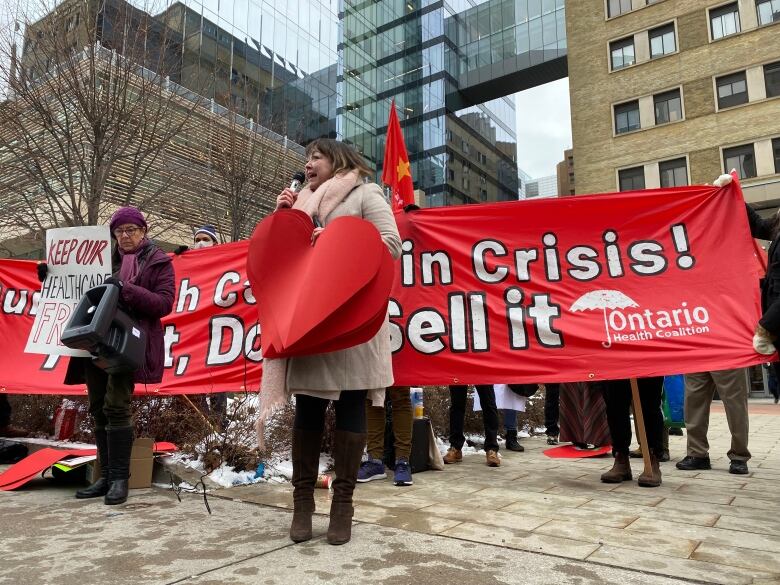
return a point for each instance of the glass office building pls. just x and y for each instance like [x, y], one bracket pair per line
[311, 68]
[452, 67]
[271, 60]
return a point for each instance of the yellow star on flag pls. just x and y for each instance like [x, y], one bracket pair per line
[403, 169]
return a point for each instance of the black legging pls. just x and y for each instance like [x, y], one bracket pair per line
[617, 396]
[350, 412]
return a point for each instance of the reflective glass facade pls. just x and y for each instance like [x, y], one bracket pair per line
[274, 61]
[311, 68]
[422, 54]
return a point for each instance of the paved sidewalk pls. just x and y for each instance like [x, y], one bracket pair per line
[709, 526]
[533, 520]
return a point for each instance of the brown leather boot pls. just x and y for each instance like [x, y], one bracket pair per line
[306, 464]
[453, 455]
[621, 470]
[492, 459]
[652, 479]
[347, 453]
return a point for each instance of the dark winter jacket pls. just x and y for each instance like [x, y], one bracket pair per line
[148, 299]
[770, 287]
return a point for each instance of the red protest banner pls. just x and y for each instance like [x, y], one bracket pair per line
[589, 287]
[582, 288]
[212, 340]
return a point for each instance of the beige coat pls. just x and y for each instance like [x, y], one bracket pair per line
[367, 366]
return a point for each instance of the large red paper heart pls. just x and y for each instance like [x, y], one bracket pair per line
[354, 322]
[311, 296]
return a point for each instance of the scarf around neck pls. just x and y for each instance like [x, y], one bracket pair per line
[129, 269]
[320, 204]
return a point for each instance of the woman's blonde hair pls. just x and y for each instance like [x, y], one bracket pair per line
[342, 156]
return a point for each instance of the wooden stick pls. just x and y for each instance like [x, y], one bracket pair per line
[200, 412]
[639, 419]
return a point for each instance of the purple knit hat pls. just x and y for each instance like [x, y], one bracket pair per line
[125, 215]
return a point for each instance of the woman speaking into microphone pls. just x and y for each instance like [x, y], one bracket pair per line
[337, 185]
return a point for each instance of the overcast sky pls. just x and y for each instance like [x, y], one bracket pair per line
[543, 127]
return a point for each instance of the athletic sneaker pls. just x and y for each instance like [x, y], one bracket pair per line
[370, 470]
[403, 473]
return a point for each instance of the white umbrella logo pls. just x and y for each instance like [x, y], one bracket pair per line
[603, 299]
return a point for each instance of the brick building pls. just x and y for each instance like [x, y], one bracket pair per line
[565, 172]
[675, 92]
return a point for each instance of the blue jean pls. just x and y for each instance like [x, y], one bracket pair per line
[510, 419]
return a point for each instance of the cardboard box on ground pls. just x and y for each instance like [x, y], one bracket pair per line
[141, 464]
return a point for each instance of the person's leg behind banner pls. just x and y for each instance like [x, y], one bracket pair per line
[510, 430]
[374, 467]
[617, 399]
[699, 390]
[487, 399]
[650, 397]
[551, 412]
[458, 396]
[733, 390]
[402, 431]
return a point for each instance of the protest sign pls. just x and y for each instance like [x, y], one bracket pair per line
[78, 259]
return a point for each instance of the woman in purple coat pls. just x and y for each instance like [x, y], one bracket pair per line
[144, 275]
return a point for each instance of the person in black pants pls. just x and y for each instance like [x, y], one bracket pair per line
[487, 398]
[551, 412]
[617, 396]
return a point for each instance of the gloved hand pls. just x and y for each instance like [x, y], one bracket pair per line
[115, 281]
[180, 250]
[43, 271]
[763, 341]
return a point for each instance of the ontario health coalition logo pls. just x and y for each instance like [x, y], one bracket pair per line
[625, 321]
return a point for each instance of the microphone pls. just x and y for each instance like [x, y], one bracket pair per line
[297, 181]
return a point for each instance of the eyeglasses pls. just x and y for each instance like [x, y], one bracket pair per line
[130, 231]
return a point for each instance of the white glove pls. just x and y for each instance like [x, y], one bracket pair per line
[723, 180]
[762, 345]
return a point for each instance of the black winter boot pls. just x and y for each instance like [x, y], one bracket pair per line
[511, 441]
[306, 465]
[347, 453]
[120, 445]
[100, 487]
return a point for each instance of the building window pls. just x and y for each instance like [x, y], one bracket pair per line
[622, 52]
[627, 117]
[465, 146]
[776, 150]
[724, 21]
[450, 174]
[674, 173]
[768, 11]
[483, 194]
[772, 79]
[618, 7]
[632, 179]
[742, 158]
[662, 41]
[732, 90]
[668, 107]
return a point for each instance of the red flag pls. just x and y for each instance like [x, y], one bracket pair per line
[396, 172]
